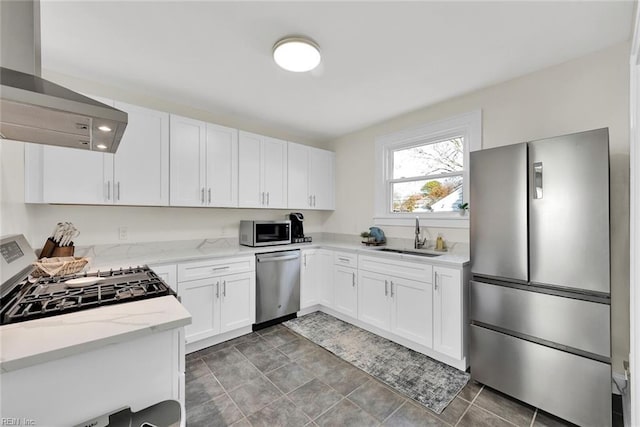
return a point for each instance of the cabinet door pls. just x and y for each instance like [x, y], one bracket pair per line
[321, 178]
[411, 312]
[168, 273]
[237, 307]
[187, 165]
[141, 165]
[76, 176]
[447, 312]
[325, 277]
[201, 298]
[309, 278]
[222, 166]
[250, 193]
[298, 176]
[345, 290]
[274, 176]
[373, 299]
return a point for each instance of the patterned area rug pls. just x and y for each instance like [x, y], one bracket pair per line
[423, 379]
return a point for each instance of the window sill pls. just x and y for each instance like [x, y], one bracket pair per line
[454, 220]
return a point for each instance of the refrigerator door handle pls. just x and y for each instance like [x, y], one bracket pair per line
[537, 180]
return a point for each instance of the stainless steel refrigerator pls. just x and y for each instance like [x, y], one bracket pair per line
[540, 288]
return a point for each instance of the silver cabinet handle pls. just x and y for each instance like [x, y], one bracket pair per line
[392, 289]
[262, 199]
[353, 279]
[343, 259]
[220, 268]
[224, 288]
[386, 290]
[314, 201]
[267, 198]
[118, 187]
[108, 190]
[310, 201]
[537, 180]
[217, 289]
[435, 281]
[202, 196]
[209, 195]
[305, 260]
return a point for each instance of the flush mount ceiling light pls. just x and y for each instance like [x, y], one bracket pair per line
[297, 54]
[104, 128]
[101, 146]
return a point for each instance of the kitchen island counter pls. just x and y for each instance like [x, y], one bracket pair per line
[38, 341]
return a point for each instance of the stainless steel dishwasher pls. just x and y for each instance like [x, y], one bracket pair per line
[277, 285]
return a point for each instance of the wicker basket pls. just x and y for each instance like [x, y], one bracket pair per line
[59, 266]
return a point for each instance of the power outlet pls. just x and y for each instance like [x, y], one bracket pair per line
[123, 233]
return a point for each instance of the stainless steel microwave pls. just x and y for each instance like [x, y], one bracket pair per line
[265, 233]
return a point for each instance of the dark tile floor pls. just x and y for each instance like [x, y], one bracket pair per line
[275, 377]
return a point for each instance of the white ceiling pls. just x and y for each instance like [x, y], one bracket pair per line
[380, 59]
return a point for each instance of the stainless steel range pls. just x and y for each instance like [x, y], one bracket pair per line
[23, 300]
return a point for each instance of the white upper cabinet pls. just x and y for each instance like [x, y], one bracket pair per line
[311, 177]
[188, 161]
[141, 164]
[298, 170]
[262, 171]
[66, 175]
[204, 159]
[321, 178]
[222, 166]
[136, 175]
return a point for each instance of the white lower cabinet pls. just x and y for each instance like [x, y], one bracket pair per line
[315, 278]
[411, 303]
[237, 305]
[220, 302]
[168, 274]
[448, 310]
[397, 305]
[201, 298]
[373, 299]
[416, 302]
[345, 290]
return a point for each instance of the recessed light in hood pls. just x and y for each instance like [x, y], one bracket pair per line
[37, 110]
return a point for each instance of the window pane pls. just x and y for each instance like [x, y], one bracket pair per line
[434, 195]
[429, 159]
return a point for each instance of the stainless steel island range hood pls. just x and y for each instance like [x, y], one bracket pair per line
[33, 109]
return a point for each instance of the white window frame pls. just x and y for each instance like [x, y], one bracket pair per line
[468, 125]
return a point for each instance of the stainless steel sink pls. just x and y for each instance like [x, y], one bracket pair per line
[409, 252]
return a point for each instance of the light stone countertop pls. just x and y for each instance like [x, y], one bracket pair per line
[29, 343]
[117, 256]
[37, 341]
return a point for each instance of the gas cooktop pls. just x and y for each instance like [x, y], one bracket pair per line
[50, 296]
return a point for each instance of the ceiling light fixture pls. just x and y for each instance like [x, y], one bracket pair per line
[104, 128]
[297, 54]
[101, 146]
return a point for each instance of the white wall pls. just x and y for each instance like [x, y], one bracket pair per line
[99, 224]
[587, 93]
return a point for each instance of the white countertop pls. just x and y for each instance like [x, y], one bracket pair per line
[36, 341]
[124, 255]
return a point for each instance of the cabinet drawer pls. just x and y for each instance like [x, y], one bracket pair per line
[345, 258]
[214, 267]
[395, 267]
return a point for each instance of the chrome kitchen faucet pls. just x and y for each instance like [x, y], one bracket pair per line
[418, 244]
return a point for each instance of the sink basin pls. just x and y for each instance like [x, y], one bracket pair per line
[409, 252]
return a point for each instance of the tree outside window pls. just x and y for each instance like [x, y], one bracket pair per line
[428, 177]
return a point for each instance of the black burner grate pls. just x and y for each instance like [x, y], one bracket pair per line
[49, 296]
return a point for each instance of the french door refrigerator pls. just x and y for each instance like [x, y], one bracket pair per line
[540, 288]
